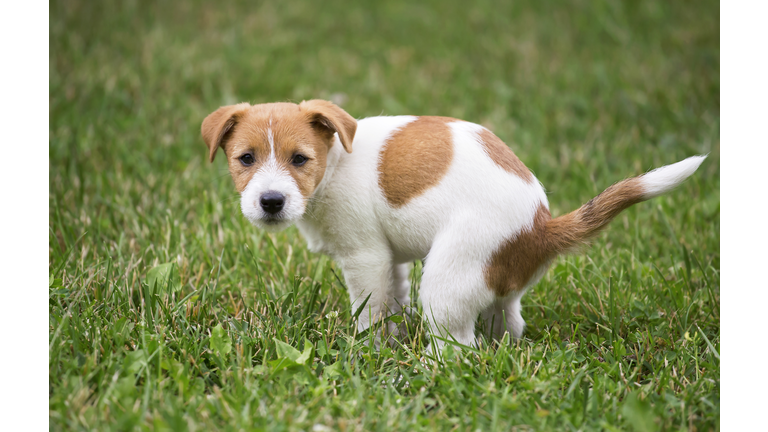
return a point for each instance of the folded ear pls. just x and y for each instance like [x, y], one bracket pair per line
[327, 119]
[219, 124]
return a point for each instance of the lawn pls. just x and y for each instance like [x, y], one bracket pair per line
[169, 311]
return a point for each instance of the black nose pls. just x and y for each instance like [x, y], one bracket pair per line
[272, 202]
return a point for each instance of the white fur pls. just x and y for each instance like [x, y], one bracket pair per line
[664, 179]
[271, 139]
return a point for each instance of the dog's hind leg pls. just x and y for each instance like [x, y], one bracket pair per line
[504, 316]
[453, 293]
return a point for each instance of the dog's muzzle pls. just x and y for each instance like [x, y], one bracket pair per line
[272, 202]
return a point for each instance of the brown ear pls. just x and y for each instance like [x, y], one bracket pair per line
[218, 124]
[328, 118]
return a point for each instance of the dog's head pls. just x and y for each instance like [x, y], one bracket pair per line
[277, 154]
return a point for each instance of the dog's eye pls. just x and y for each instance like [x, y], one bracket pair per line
[299, 160]
[247, 159]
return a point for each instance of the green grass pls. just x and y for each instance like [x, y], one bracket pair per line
[253, 332]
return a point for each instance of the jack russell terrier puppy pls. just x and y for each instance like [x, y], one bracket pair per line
[379, 193]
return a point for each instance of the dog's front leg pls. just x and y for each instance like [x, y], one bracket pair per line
[368, 276]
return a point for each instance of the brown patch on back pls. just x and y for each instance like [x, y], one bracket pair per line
[518, 259]
[415, 158]
[503, 156]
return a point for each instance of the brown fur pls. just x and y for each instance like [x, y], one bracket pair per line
[576, 228]
[415, 158]
[518, 259]
[328, 118]
[503, 156]
[306, 128]
[218, 125]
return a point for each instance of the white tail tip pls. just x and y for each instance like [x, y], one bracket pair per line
[662, 180]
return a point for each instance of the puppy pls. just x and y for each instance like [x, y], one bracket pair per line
[378, 193]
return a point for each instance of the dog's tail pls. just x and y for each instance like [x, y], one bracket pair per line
[568, 232]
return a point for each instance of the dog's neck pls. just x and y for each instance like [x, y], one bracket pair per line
[310, 225]
[316, 202]
[331, 161]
